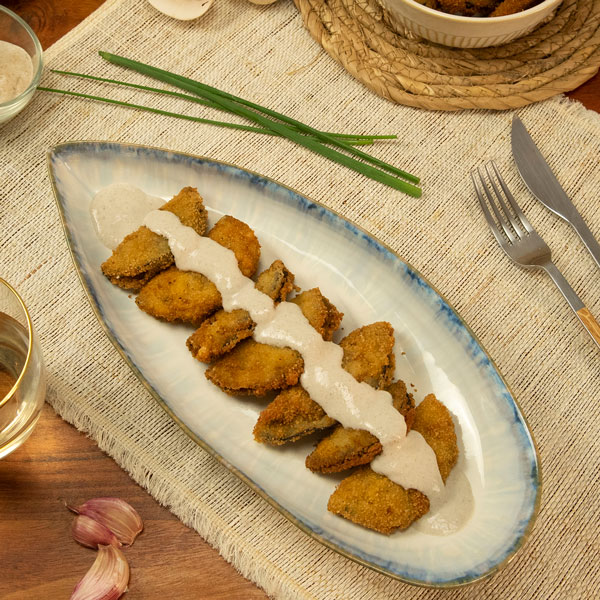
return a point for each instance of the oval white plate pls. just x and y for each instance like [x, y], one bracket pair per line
[368, 282]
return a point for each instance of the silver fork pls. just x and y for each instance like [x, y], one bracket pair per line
[520, 241]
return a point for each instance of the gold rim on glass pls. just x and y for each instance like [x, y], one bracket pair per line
[12, 391]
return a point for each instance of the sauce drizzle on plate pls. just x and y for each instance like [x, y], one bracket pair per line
[406, 459]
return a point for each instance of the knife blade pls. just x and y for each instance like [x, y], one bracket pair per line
[542, 183]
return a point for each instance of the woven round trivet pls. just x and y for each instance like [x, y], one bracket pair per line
[556, 57]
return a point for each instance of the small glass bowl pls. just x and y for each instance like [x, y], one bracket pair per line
[22, 372]
[14, 30]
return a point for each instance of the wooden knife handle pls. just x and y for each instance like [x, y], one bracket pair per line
[586, 317]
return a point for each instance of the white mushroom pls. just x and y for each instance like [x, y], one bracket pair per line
[184, 10]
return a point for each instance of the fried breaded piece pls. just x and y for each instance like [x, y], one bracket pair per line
[139, 257]
[289, 417]
[276, 282]
[345, 448]
[181, 296]
[467, 8]
[369, 354]
[220, 333]
[142, 254]
[252, 368]
[238, 237]
[454, 7]
[509, 7]
[374, 501]
[482, 8]
[319, 311]
[189, 207]
[189, 297]
[434, 423]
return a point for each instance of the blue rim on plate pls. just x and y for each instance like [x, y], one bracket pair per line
[436, 352]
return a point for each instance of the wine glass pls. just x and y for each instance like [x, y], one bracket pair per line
[22, 373]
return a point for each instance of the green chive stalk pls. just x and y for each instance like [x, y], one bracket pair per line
[348, 137]
[159, 111]
[239, 106]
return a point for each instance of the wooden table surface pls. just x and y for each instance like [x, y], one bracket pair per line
[38, 559]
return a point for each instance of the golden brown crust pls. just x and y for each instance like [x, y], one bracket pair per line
[373, 501]
[289, 417]
[343, 449]
[179, 296]
[224, 330]
[276, 282]
[219, 334]
[333, 320]
[480, 8]
[189, 207]
[434, 422]
[347, 448]
[238, 237]
[455, 7]
[252, 368]
[303, 415]
[510, 7]
[143, 253]
[402, 401]
[319, 311]
[139, 257]
[369, 354]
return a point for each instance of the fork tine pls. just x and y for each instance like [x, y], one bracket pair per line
[524, 221]
[486, 211]
[500, 219]
[517, 226]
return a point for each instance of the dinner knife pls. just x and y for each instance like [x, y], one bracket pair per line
[543, 184]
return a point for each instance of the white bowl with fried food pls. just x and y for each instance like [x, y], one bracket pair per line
[467, 31]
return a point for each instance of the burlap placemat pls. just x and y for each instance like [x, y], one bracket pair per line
[266, 54]
[554, 58]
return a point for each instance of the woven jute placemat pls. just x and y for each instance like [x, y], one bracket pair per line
[556, 57]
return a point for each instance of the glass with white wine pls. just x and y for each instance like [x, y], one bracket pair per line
[22, 374]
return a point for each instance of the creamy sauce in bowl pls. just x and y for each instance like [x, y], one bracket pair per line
[16, 71]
